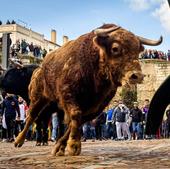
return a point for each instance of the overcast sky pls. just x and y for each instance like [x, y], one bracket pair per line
[148, 18]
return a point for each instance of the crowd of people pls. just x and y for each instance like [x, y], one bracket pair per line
[8, 22]
[25, 48]
[117, 123]
[155, 54]
[123, 123]
[13, 115]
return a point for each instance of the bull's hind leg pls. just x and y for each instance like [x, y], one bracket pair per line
[34, 109]
[74, 143]
[73, 133]
[60, 145]
[62, 137]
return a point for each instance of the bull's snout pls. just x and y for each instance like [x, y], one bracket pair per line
[136, 77]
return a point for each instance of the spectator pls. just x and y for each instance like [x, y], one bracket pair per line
[110, 123]
[2, 118]
[44, 52]
[150, 54]
[23, 47]
[122, 128]
[19, 125]
[136, 115]
[36, 51]
[144, 116]
[89, 130]
[8, 22]
[54, 127]
[145, 109]
[13, 52]
[86, 130]
[100, 126]
[31, 48]
[156, 55]
[4, 129]
[9, 108]
[13, 22]
[92, 130]
[41, 133]
[144, 55]
[18, 46]
[15, 48]
[168, 55]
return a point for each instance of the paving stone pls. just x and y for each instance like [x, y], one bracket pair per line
[141, 154]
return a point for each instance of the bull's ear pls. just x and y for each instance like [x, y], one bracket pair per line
[100, 41]
[141, 48]
[102, 34]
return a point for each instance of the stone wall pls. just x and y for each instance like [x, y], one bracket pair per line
[155, 71]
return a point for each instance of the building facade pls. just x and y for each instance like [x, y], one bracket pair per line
[18, 32]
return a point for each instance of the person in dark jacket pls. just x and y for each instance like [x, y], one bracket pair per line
[136, 115]
[9, 108]
[100, 126]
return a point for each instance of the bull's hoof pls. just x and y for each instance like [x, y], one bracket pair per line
[60, 153]
[19, 141]
[58, 150]
[74, 147]
[18, 144]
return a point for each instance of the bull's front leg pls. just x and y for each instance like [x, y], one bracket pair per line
[74, 143]
[19, 141]
[34, 110]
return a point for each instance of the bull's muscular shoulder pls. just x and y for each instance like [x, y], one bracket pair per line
[76, 53]
[71, 63]
[60, 52]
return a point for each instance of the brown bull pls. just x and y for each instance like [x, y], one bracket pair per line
[82, 77]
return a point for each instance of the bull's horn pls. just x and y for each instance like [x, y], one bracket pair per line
[16, 64]
[150, 42]
[103, 32]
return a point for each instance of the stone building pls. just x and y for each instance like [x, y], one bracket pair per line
[19, 32]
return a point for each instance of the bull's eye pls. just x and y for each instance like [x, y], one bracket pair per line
[116, 49]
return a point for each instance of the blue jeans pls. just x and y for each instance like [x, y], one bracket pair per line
[54, 126]
[86, 128]
[93, 132]
[10, 122]
[137, 128]
[109, 130]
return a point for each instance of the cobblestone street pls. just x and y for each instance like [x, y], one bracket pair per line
[95, 155]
